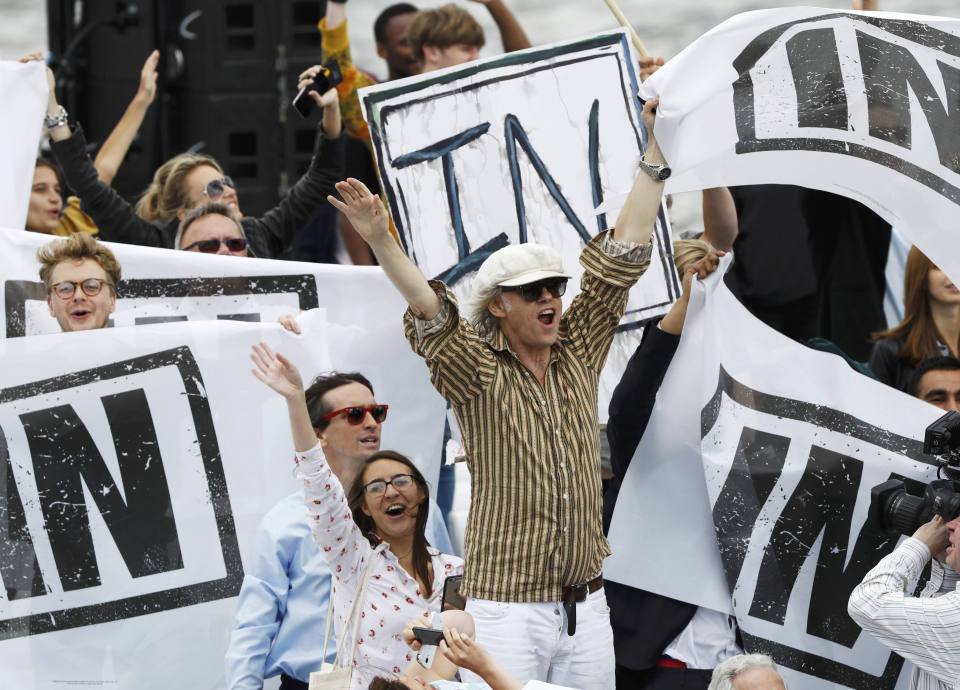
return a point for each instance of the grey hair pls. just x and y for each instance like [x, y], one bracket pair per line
[729, 669]
[475, 309]
[208, 209]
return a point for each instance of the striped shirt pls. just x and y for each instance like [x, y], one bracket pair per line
[924, 629]
[533, 450]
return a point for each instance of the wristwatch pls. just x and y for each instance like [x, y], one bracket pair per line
[58, 119]
[657, 172]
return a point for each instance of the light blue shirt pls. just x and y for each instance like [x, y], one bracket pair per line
[282, 607]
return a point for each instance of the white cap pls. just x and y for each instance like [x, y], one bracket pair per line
[515, 264]
[519, 264]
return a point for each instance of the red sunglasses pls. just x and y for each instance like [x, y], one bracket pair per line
[357, 413]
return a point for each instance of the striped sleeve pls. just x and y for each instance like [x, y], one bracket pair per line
[924, 630]
[595, 312]
[461, 364]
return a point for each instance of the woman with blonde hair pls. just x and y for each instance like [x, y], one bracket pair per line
[190, 180]
[930, 326]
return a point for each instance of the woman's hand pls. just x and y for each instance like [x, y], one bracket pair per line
[277, 372]
[147, 90]
[408, 637]
[465, 653]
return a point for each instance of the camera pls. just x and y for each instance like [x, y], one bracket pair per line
[327, 78]
[894, 510]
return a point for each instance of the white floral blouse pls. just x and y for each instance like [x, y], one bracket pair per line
[392, 598]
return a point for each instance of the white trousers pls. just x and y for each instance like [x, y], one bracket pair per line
[531, 642]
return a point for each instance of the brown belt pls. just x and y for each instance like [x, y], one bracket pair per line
[575, 594]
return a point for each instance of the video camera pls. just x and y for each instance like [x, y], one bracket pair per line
[893, 510]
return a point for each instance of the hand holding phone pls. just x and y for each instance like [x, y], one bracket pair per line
[429, 639]
[326, 78]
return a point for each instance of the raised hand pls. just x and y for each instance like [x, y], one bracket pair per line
[277, 372]
[649, 65]
[148, 77]
[364, 210]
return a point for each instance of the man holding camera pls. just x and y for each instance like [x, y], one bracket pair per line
[924, 629]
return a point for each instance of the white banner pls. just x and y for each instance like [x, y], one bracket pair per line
[861, 104]
[520, 147]
[790, 441]
[136, 463]
[23, 103]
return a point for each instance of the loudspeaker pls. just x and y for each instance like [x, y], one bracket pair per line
[228, 74]
[98, 51]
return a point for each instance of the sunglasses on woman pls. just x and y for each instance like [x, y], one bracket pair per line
[212, 246]
[215, 188]
[531, 291]
[356, 414]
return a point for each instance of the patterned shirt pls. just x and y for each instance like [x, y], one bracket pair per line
[392, 598]
[924, 629]
[533, 450]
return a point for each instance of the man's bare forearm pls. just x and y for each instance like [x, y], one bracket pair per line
[638, 215]
[406, 277]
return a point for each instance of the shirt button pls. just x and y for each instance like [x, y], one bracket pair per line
[565, 497]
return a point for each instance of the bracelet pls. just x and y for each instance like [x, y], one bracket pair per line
[58, 119]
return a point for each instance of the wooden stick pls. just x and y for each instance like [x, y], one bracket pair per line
[624, 22]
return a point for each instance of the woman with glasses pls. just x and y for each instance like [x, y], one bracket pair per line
[374, 534]
[190, 180]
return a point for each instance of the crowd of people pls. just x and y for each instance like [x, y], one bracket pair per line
[363, 546]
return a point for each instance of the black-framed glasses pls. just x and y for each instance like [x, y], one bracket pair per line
[215, 188]
[397, 481]
[91, 287]
[531, 291]
[212, 246]
[357, 413]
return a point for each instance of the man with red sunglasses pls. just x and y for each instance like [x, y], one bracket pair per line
[522, 380]
[212, 228]
[282, 607]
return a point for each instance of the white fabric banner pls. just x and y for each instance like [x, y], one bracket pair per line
[515, 148]
[860, 104]
[136, 463]
[790, 441]
[23, 103]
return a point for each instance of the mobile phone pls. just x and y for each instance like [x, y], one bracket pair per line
[428, 636]
[429, 640]
[328, 77]
[452, 599]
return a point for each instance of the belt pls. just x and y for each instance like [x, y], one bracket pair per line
[574, 594]
[667, 662]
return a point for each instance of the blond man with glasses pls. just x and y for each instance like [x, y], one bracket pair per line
[81, 277]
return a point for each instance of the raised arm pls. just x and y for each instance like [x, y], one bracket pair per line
[638, 215]
[277, 373]
[368, 216]
[719, 218]
[511, 33]
[115, 148]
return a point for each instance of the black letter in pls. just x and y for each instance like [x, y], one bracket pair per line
[64, 454]
[821, 98]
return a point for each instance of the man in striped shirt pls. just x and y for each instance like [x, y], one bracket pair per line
[924, 629]
[522, 382]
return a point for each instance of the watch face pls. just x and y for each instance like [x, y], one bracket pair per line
[664, 173]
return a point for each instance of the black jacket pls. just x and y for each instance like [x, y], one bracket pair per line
[267, 237]
[643, 623]
[887, 365]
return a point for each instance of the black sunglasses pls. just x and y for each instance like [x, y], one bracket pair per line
[215, 188]
[234, 244]
[356, 414]
[531, 291]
